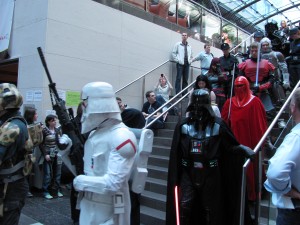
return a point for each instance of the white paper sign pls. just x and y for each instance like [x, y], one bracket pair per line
[29, 96]
[37, 96]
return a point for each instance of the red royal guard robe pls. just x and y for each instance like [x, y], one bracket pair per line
[248, 124]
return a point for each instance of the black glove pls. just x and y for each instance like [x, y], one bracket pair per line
[255, 89]
[245, 151]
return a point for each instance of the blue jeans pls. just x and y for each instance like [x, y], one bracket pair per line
[288, 217]
[52, 170]
[160, 99]
[158, 124]
[182, 71]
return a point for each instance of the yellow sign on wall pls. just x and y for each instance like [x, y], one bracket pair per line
[72, 98]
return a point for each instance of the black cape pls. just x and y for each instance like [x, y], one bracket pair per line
[231, 176]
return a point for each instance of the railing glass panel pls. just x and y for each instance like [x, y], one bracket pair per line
[199, 22]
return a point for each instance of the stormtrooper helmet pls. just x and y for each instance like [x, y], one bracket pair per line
[99, 104]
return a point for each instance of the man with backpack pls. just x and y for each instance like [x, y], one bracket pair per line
[13, 138]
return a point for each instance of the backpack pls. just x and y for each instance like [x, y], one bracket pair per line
[35, 138]
[139, 171]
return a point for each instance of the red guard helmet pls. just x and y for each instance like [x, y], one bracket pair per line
[242, 90]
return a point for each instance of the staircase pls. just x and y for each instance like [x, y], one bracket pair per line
[153, 199]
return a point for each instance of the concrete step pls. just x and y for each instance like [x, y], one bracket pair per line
[156, 185]
[265, 221]
[171, 118]
[150, 216]
[267, 209]
[161, 150]
[164, 133]
[158, 172]
[170, 125]
[153, 200]
[163, 141]
[157, 160]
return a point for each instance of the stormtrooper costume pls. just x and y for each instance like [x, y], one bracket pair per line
[277, 59]
[281, 74]
[108, 159]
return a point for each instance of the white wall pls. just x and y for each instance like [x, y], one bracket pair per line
[85, 41]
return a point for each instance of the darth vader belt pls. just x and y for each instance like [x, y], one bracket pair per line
[200, 165]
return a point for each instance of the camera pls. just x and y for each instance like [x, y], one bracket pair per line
[162, 75]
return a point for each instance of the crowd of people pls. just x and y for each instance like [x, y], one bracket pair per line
[269, 72]
[247, 94]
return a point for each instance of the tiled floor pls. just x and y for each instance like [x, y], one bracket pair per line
[39, 211]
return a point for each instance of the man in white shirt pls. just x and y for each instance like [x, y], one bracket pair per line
[182, 55]
[283, 176]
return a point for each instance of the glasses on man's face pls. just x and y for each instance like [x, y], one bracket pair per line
[152, 95]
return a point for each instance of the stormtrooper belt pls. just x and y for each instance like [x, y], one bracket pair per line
[200, 165]
[95, 197]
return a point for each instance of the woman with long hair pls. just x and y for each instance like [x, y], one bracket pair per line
[217, 80]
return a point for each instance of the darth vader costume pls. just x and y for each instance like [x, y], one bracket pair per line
[206, 165]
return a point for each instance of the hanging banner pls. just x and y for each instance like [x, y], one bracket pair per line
[6, 17]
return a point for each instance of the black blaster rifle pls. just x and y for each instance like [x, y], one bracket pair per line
[66, 119]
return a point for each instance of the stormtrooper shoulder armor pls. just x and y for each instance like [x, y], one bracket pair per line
[124, 141]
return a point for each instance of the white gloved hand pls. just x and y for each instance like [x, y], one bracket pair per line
[91, 183]
[286, 85]
[64, 139]
[78, 182]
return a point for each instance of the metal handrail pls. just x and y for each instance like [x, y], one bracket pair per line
[142, 76]
[258, 146]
